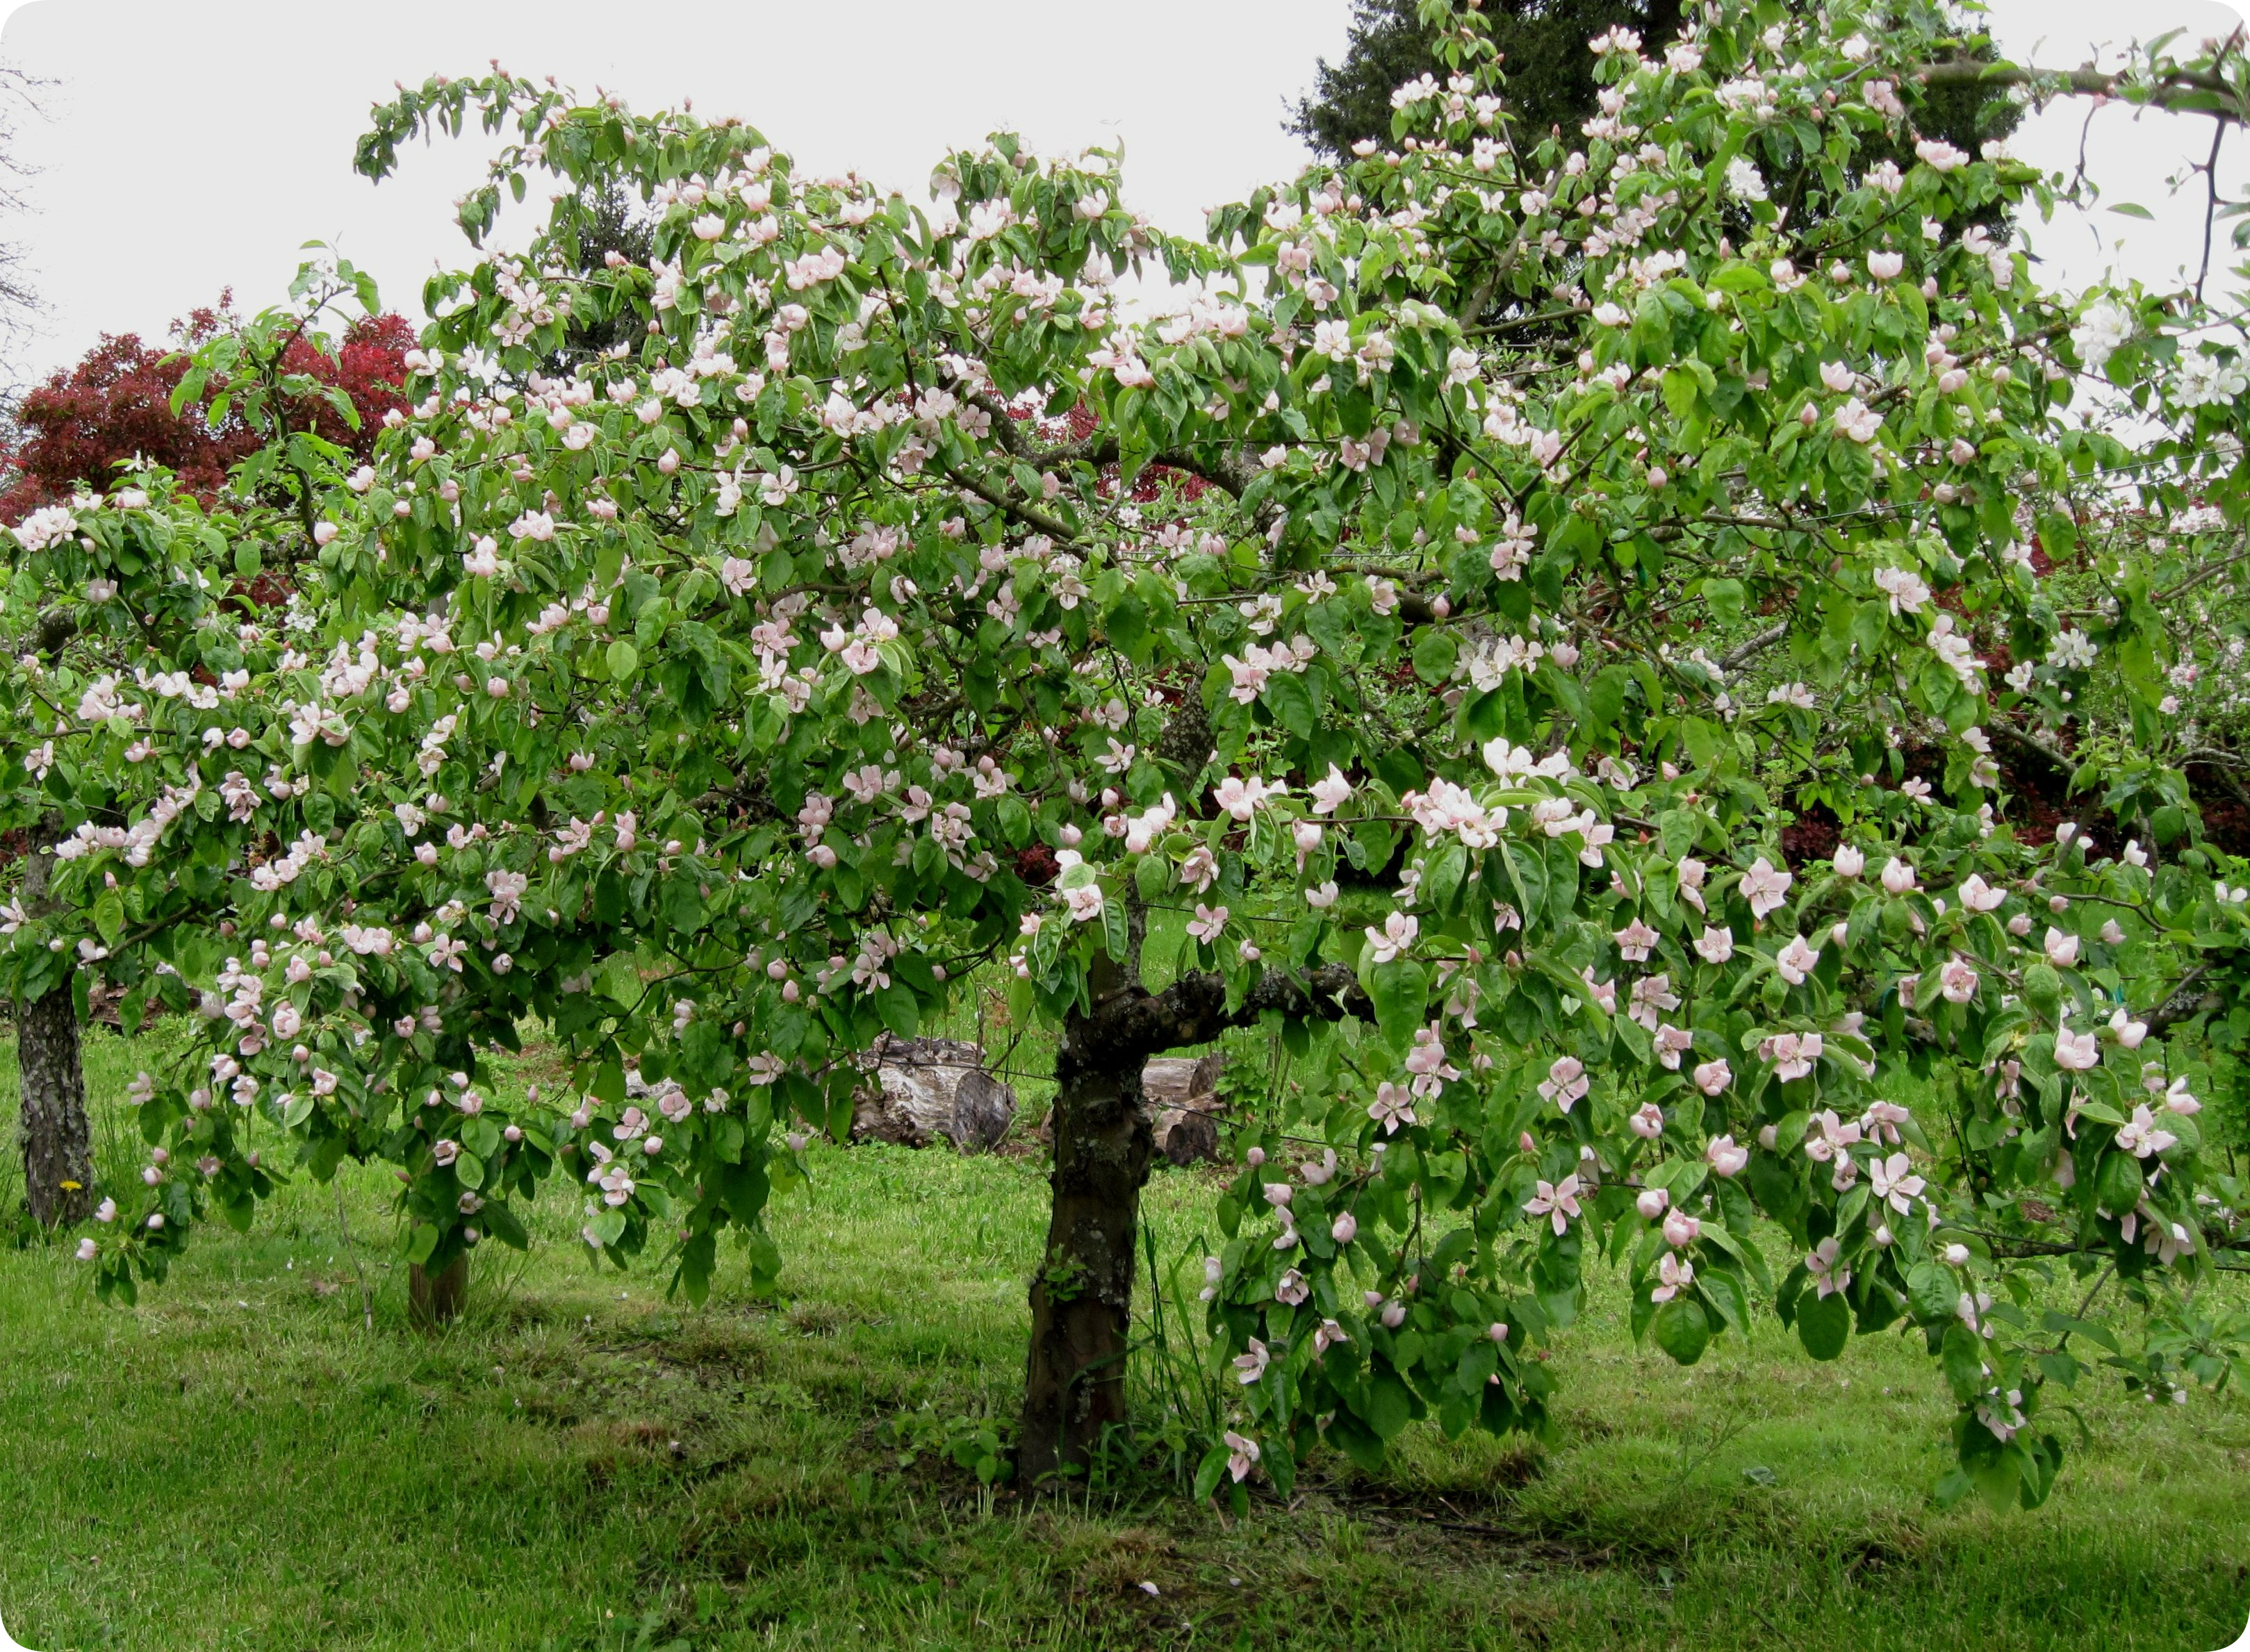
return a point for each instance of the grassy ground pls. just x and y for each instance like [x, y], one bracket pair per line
[240, 1463]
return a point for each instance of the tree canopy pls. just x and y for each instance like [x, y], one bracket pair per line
[728, 701]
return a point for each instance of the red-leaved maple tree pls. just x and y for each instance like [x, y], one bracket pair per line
[75, 429]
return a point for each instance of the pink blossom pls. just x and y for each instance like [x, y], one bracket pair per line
[1672, 1042]
[1558, 1201]
[1820, 1263]
[1242, 1454]
[1980, 896]
[1634, 941]
[1765, 886]
[1397, 934]
[2140, 1137]
[1393, 1105]
[2075, 1051]
[1249, 1367]
[1797, 961]
[1676, 1273]
[1793, 1054]
[1892, 1180]
[1566, 1082]
[1726, 1159]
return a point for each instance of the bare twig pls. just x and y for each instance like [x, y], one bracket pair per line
[2210, 170]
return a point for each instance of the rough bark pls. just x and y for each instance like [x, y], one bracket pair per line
[52, 1130]
[435, 1300]
[1082, 1296]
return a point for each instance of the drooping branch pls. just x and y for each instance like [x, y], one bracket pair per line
[2197, 91]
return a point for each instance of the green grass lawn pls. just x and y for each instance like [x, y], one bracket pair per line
[240, 1463]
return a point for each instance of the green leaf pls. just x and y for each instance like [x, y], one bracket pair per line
[623, 659]
[1823, 1323]
[900, 1011]
[1962, 1355]
[1290, 702]
[1388, 1406]
[1434, 653]
[1400, 989]
[1209, 1471]
[620, 979]
[1682, 1330]
[1725, 599]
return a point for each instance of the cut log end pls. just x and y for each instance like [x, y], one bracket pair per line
[929, 1090]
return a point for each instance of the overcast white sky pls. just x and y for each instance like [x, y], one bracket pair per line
[189, 147]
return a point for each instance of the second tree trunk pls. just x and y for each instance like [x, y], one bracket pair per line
[51, 1128]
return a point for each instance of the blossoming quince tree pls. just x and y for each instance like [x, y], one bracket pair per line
[724, 702]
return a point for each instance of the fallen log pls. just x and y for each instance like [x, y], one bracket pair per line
[1181, 1096]
[928, 1089]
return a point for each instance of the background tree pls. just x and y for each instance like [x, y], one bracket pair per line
[1542, 46]
[1551, 84]
[120, 408]
[19, 300]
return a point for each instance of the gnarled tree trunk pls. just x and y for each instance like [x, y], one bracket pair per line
[52, 1130]
[1082, 1297]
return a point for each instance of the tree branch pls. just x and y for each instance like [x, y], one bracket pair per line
[2174, 88]
[1133, 1024]
[2183, 1001]
[1755, 646]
